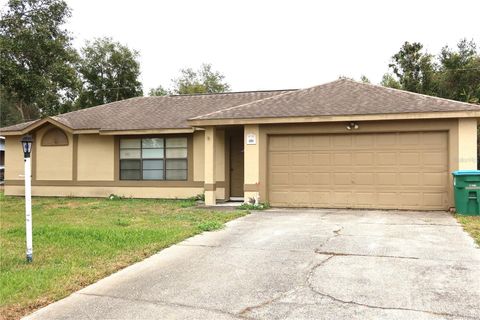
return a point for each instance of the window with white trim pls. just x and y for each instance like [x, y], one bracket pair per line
[153, 159]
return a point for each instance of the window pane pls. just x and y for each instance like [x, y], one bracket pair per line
[176, 153]
[176, 164]
[130, 164]
[176, 174]
[130, 174]
[153, 164]
[129, 143]
[154, 143]
[152, 153]
[153, 174]
[130, 154]
[176, 142]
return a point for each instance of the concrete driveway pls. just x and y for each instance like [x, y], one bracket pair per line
[298, 264]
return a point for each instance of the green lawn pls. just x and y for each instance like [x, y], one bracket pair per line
[471, 224]
[77, 241]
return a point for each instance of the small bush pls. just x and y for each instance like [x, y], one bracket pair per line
[250, 206]
[115, 197]
[210, 225]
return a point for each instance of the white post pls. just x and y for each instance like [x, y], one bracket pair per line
[28, 208]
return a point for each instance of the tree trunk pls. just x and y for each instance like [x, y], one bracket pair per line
[19, 107]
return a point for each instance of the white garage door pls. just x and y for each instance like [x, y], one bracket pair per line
[381, 170]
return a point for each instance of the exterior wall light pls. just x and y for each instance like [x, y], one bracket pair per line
[352, 126]
[27, 145]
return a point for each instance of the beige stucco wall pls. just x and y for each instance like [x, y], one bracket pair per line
[252, 160]
[14, 167]
[198, 155]
[53, 162]
[467, 144]
[220, 155]
[83, 191]
[449, 125]
[95, 157]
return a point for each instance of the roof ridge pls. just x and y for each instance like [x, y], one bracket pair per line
[230, 92]
[264, 99]
[412, 93]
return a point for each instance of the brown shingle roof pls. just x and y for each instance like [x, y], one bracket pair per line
[141, 113]
[340, 97]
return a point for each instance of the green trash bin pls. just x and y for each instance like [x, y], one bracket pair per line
[466, 184]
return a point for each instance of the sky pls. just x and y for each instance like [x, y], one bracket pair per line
[260, 45]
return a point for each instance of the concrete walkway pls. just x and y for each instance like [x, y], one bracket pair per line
[298, 264]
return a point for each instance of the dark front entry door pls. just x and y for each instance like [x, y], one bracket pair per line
[236, 164]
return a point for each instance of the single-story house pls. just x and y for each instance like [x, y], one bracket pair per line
[342, 144]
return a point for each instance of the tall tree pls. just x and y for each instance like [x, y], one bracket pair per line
[203, 80]
[414, 68]
[388, 80]
[37, 74]
[158, 91]
[110, 72]
[460, 72]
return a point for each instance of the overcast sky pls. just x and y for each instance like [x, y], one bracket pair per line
[273, 44]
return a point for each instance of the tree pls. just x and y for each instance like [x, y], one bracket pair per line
[37, 74]
[109, 72]
[203, 80]
[158, 91]
[364, 79]
[460, 72]
[388, 80]
[414, 68]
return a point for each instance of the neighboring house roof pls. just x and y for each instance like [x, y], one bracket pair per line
[143, 113]
[340, 97]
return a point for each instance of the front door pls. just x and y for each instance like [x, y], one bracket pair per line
[236, 164]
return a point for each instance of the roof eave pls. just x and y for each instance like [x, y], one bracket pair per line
[337, 118]
[35, 125]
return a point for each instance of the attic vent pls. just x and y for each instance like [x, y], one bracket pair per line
[54, 137]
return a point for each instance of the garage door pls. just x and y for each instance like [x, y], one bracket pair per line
[382, 170]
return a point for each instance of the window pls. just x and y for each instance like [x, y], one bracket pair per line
[54, 137]
[153, 159]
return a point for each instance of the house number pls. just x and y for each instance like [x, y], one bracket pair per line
[251, 138]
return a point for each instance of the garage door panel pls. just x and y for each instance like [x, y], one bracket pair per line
[320, 178]
[320, 159]
[434, 139]
[341, 141]
[410, 178]
[364, 178]
[364, 159]
[364, 141]
[321, 142]
[409, 158]
[386, 158]
[434, 158]
[300, 178]
[299, 159]
[393, 170]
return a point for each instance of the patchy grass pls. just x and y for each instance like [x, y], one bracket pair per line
[250, 206]
[77, 241]
[210, 225]
[471, 224]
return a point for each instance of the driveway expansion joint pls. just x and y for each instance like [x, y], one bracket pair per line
[339, 254]
[161, 302]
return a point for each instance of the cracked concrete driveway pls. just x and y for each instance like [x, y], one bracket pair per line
[298, 264]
